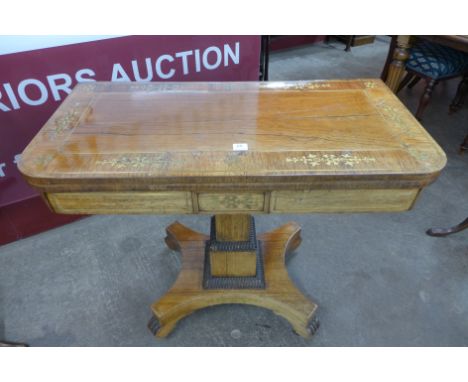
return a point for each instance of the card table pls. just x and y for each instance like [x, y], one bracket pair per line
[232, 149]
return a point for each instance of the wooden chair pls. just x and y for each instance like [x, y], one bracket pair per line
[433, 63]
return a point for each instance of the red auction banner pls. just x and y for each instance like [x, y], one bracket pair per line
[34, 83]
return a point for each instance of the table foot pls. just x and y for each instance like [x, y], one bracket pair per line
[154, 325]
[464, 145]
[310, 329]
[188, 295]
[314, 325]
[13, 344]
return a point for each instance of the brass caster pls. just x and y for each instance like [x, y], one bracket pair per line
[313, 326]
[154, 325]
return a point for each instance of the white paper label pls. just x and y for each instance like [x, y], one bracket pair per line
[240, 146]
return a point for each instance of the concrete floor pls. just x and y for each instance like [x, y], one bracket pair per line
[378, 279]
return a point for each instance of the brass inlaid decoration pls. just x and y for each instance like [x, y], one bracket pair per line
[139, 86]
[407, 130]
[216, 201]
[237, 201]
[67, 121]
[315, 160]
[369, 84]
[135, 161]
[311, 86]
[87, 87]
[235, 161]
[171, 86]
[390, 112]
[43, 160]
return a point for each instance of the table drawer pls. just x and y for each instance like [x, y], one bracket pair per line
[171, 202]
[361, 200]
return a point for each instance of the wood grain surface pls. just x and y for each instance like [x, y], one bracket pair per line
[280, 295]
[171, 147]
[233, 228]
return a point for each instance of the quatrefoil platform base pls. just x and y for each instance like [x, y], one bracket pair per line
[278, 293]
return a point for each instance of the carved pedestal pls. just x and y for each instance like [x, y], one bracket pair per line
[278, 293]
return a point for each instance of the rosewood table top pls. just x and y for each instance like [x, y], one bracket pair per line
[304, 146]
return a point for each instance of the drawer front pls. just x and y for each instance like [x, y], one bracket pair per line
[231, 202]
[175, 202]
[325, 201]
[172, 202]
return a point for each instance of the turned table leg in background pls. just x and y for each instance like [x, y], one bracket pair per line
[397, 66]
[269, 286]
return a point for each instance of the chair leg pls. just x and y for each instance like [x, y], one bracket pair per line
[464, 145]
[12, 344]
[459, 98]
[348, 43]
[430, 83]
[414, 82]
[447, 231]
[391, 49]
[405, 81]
